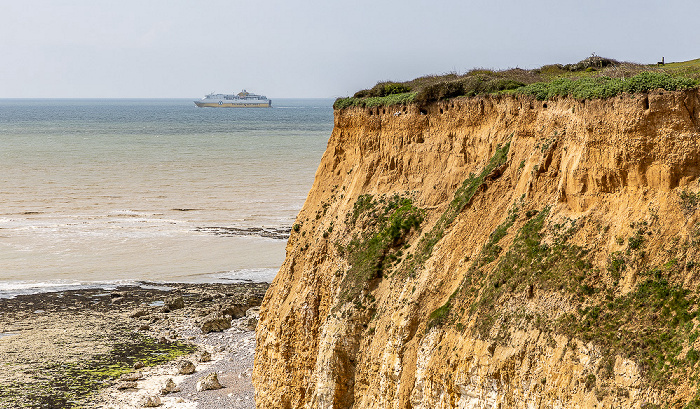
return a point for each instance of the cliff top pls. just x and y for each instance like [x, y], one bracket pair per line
[591, 78]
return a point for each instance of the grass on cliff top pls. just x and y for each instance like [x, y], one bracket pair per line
[594, 77]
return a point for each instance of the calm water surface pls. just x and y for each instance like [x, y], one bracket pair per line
[94, 192]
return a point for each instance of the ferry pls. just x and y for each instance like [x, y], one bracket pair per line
[243, 99]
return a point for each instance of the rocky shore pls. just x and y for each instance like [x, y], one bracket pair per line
[131, 346]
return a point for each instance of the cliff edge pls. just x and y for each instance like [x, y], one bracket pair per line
[494, 252]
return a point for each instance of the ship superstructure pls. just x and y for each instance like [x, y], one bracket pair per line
[243, 99]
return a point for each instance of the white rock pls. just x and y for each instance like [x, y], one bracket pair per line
[151, 401]
[169, 387]
[185, 367]
[209, 382]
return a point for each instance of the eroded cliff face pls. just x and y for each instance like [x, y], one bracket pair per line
[493, 252]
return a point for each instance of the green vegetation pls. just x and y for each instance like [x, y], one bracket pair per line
[605, 87]
[689, 201]
[593, 77]
[439, 316]
[649, 325]
[69, 385]
[491, 249]
[617, 266]
[370, 102]
[555, 266]
[385, 223]
[469, 86]
[383, 89]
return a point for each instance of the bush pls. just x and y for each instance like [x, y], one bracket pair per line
[469, 86]
[383, 89]
[605, 87]
[393, 99]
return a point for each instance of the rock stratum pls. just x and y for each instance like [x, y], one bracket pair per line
[494, 252]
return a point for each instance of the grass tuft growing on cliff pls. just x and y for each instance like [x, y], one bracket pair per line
[649, 325]
[385, 223]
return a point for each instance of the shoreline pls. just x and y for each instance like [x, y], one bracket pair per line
[69, 348]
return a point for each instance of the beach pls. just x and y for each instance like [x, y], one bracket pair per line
[59, 349]
[111, 208]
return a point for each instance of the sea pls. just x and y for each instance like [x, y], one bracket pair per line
[108, 192]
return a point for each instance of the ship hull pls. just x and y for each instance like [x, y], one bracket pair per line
[223, 104]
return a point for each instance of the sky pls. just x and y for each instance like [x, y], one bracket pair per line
[314, 48]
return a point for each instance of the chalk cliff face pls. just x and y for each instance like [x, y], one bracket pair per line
[493, 252]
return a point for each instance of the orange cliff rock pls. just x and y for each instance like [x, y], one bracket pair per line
[566, 277]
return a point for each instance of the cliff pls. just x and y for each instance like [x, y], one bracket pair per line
[494, 252]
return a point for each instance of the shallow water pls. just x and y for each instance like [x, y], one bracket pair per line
[105, 191]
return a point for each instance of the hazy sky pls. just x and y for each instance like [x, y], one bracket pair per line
[324, 48]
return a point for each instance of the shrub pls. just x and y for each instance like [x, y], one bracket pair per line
[383, 89]
[469, 86]
[605, 87]
[370, 102]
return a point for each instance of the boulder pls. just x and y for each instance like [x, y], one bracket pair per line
[185, 367]
[234, 310]
[215, 323]
[251, 319]
[174, 303]
[209, 382]
[253, 312]
[204, 356]
[139, 313]
[254, 300]
[151, 401]
[132, 376]
[169, 387]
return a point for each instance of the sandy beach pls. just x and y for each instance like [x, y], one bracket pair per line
[76, 348]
